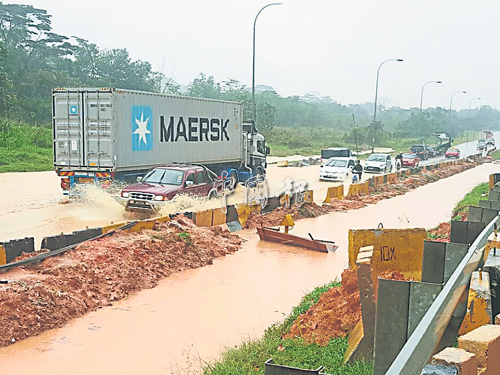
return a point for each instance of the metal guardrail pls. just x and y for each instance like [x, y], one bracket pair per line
[422, 343]
[43, 256]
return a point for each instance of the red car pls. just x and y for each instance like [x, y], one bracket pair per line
[411, 160]
[164, 182]
[452, 153]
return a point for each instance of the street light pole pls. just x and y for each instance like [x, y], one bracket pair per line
[467, 130]
[422, 94]
[376, 95]
[451, 101]
[253, 67]
[420, 110]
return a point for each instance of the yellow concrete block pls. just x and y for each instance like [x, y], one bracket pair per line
[392, 178]
[162, 219]
[492, 181]
[219, 217]
[112, 227]
[378, 180]
[309, 196]
[244, 211]
[3, 257]
[140, 225]
[204, 218]
[393, 250]
[479, 310]
[334, 192]
[359, 189]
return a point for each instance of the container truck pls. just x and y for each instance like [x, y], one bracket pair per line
[105, 134]
[441, 141]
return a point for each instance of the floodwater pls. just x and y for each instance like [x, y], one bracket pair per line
[32, 205]
[191, 316]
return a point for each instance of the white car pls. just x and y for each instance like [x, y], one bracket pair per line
[378, 163]
[337, 169]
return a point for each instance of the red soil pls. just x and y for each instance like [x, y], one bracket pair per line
[96, 273]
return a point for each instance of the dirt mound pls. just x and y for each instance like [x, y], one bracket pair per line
[96, 273]
[336, 313]
[441, 233]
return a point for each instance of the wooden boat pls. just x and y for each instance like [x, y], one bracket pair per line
[274, 235]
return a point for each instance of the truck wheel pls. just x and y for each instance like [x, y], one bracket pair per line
[260, 171]
[234, 178]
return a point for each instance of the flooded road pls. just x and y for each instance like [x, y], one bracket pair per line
[191, 316]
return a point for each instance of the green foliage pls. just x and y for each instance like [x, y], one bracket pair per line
[250, 356]
[24, 148]
[480, 192]
[186, 237]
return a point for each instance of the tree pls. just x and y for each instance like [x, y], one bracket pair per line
[205, 87]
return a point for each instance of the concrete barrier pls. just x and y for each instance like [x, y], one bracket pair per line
[272, 204]
[479, 310]
[359, 189]
[393, 249]
[58, 242]
[392, 178]
[244, 211]
[334, 192]
[232, 214]
[14, 248]
[203, 218]
[218, 216]
[378, 180]
[3, 257]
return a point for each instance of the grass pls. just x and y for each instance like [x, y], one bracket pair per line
[250, 356]
[25, 148]
[480, 192]
[495, 155]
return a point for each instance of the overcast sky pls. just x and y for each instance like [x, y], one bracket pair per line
[325, 47]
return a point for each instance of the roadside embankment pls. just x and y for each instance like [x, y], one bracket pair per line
[96, 273]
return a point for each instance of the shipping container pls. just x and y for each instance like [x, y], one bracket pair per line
[123, 133]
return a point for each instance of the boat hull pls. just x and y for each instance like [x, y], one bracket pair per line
[268, 234]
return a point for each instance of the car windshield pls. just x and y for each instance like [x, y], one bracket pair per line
[378, 158]
[337, 163]
[452, 150]
[408, 156]
[164, 177]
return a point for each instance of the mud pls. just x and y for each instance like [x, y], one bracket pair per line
[441, 233]
[353, 202]
[97, 273]
[336, 313]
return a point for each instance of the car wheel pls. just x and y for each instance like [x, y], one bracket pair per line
[260, 171]
[212, 194]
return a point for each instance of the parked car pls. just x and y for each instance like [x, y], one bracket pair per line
[421, 151]
[378, 163]
[163, 183]
[337, 169]
[411, 160]
[336, 152]
[452, 153]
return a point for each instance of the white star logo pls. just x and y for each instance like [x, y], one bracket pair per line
[142, 129]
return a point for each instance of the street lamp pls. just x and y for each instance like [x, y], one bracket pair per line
[421, 100]
[467, 131]
[253, 68]
[451, 101]
[376, 95]
[422, 94]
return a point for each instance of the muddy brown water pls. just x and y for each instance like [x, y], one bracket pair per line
[191, 316]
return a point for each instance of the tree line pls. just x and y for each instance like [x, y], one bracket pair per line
[34, 59]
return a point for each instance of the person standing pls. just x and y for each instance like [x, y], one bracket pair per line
[358, 170]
